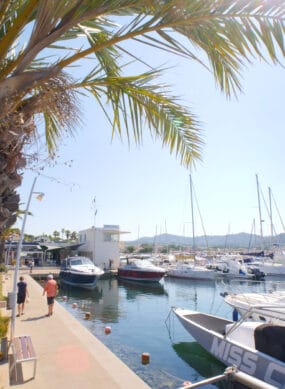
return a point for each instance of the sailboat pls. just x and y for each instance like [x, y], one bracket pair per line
[191, 271]
[267, 265]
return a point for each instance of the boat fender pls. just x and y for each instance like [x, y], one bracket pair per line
[107, 330]
[235, 314]
[145, 358]
[87, 315]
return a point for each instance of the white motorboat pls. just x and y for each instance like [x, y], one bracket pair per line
[233, 266]
[79, 271]
[255, 348]
[266, 307]
[191, 272]
[141, 270]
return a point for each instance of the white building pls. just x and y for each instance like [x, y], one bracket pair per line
[102, 245]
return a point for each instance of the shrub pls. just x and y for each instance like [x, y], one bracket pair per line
[3, 268]
[4, 323]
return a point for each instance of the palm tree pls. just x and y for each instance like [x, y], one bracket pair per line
[56, 234]
[36, 77]
[67, 234]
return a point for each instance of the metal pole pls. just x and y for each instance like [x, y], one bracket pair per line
[18, 257]
[94, 234]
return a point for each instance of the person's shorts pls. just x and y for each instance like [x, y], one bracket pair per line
[50, 300]
[21, 299]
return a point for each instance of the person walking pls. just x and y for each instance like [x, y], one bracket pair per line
[22, 295]
[50, 289]
[32, 264]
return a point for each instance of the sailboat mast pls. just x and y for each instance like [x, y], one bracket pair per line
[270, 215]
[192, 213]
[259, 209]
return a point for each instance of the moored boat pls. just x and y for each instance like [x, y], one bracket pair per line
[191, 272]
[141, 270]
[254, 348]
[80, 271]
[267, 307]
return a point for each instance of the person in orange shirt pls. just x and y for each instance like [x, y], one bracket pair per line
[50, 289]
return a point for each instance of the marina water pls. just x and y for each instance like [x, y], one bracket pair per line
[141, 322]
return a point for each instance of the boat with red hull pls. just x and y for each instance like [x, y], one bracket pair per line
[141, 270]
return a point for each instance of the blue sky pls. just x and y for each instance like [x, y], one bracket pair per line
[145, 190]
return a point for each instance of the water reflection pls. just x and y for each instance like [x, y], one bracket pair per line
[199, 359]
[102, 302]
[134, 289]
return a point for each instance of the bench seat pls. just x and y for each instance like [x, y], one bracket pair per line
[23, 351]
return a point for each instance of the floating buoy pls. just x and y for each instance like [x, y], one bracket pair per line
[107, 330]
[145, 358]
[74, 305]
[87, 315]
[64, 298]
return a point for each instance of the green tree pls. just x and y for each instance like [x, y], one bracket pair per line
[130, 249]
[36, 78]
[74, 235]
[67, 234]
[56, 235]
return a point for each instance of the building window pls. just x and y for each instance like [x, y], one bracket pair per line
[82, 238]
[111, 237]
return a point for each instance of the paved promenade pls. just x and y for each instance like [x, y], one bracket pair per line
[69, 356]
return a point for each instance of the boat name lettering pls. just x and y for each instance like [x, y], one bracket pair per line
[275, 371]
[234, 355]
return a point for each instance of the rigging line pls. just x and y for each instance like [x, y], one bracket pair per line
[268, 212]
[278, 212]
[267, 209]
[251, 234]
[201, 219]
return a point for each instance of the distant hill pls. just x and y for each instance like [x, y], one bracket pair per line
[241, 240]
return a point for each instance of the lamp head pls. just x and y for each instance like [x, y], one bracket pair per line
[40, 196]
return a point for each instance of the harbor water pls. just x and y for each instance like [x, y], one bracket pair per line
[140, 321]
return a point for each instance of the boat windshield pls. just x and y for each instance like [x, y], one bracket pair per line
[80, 261]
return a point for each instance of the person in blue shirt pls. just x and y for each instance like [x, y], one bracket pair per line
[22, 295]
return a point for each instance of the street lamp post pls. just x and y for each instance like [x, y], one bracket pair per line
[18, 257]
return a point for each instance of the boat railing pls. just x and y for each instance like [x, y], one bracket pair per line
[232, 374]
[270, 311]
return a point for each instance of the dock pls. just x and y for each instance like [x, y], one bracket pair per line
[68, 355]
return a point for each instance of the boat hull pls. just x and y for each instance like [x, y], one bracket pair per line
[208, 331]
[81, 280]
[140, 275]
[192, 273]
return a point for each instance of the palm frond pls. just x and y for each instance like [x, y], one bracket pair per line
[136, 102]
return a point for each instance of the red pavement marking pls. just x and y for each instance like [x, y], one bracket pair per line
[73, 359]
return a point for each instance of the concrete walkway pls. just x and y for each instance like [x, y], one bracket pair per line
[69, 356]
